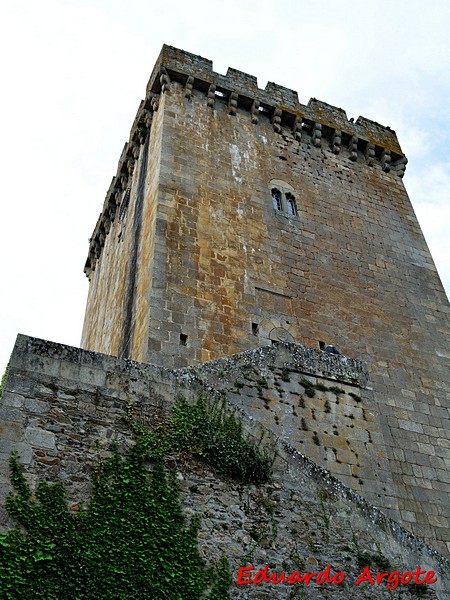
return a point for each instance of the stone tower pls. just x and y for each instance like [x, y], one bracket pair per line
[238, 217]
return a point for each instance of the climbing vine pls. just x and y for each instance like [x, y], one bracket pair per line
[131, 540]
[4, 376]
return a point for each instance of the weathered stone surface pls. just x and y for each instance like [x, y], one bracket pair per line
[36, 406]
[39, 438]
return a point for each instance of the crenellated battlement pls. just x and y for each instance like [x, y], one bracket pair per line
[316, 123]
[178, 65]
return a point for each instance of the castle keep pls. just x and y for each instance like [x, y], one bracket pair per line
[239, 217]
[242, 234]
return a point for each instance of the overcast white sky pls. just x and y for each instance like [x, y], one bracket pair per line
[73, 73]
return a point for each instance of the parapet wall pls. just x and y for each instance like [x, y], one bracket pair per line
[178, 65]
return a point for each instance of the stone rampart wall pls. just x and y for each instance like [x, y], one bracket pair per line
[62, 407]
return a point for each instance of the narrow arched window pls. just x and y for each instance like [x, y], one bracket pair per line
[283, 199]
[290, 205]
[276, 199]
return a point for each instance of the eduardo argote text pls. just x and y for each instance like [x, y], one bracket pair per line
[247, 575]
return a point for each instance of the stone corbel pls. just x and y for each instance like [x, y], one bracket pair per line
[123, 181]
[96, 248]
[118, 196]
[232, 104]
[255, 111]
[164, 80]
[297, 129]
[400, 166]
[188, 87]
[143, 125]
[148, 115]
[106, 221]
[142, 132]
[336, 141]
[386, 160]
[134, 150]
[317, 135]
[211, 95]
[370, 154]
[130, 165]
[88, 267]
[112, 208]
[276, 120]
[154, 103]
[101, 235]
[353, 147]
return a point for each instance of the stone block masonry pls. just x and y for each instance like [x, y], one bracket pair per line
[62, 407]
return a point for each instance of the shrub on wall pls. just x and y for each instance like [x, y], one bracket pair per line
[207, 432]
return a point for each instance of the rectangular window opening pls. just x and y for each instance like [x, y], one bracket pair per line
[321, 345]
[255, 328]
[183, 339]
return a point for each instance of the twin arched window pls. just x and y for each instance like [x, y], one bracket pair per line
[283, 199]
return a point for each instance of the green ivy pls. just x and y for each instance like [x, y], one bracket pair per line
[5, 375]
[207, 432]
[131, 542]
